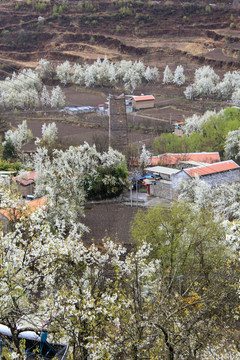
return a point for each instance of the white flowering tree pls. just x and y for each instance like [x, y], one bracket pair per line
[78, 74]
[105, 73]
[64, 72]
[58, 97]
[205, 83]
[167, 75]
[45, 69]
[145, 157]
[109, 304]
[236, 97]
[31, 258]
[62, 180]
[49, 133]
[44, 97]
[229, 84]
[21, 90]
[224, 199]
[19, 136]
[179, 77]
[232, 145]
[195, 122]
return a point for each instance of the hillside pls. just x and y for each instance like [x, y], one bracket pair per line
[155, 32]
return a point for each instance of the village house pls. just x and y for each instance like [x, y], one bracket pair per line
[213, 174]
[161, 183]
[143, 102]
[165, 181]
[8, 216]
[180, 160]
[25, 183]
[183, 160]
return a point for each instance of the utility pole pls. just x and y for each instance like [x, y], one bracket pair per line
[109, 122]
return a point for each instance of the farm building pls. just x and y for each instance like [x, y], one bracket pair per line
[213, 174]
[185, 159]
[163, 184]
[25, 183]
[7, 216]
[143, 102]
[181, 160]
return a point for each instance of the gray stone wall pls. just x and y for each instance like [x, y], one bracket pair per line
[162, 189]
[221, 178]
[211, 179]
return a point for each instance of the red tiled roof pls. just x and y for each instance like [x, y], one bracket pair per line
[14, 214]
[143, 98]
[26, 178]
[173, 159]
[212, 169]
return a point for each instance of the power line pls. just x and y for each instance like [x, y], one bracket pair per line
[11, 67]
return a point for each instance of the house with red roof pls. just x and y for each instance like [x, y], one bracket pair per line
[213, 174]
[143, 102]
[11, 215]
[185, 159]
[25, 182]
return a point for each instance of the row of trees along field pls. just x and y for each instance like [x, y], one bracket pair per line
[212, 131]
[26, 90]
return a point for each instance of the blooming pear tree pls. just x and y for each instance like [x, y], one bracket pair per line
[44, 97]
[64, 72]
[31, 256]
[195, 122]
[232, 145]
[71, 176]
[145, 157]
[19, 136]
[21, 90]
[105, 73]
[224, 199]
[45, 69]
[49, 133]
[236, 97]
[57, 97]
[205, 81]
[179, 77]
[167, 75]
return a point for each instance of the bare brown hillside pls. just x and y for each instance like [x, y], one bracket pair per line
[155, 32]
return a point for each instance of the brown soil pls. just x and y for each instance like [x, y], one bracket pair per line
[108, 220]
[156, 33]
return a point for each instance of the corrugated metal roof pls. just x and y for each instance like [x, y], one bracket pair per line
[173, 159]
[143, 98]
[212, 168]
[162, 170]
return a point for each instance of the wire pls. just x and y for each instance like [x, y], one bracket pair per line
[11, 67]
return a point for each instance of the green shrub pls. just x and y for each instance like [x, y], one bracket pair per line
[208, 9]
[125, 11]
[40, 6]
[118, 28]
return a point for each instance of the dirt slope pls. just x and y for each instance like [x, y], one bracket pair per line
[155, 32]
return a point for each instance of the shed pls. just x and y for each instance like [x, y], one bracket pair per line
[163, 185]
[213, 174]
[143, 102]
[25, 182]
